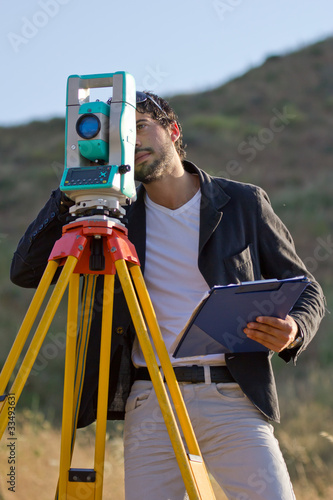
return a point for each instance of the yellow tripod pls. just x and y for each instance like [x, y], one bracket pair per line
[73, 251]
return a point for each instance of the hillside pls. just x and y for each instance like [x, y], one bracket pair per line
[273, 127]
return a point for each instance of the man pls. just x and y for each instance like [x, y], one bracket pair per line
[191, 232]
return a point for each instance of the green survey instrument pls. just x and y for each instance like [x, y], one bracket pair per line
[100, 143]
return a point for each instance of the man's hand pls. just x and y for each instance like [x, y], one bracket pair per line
[274, 333]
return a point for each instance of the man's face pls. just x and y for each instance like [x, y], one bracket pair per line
[154, 149]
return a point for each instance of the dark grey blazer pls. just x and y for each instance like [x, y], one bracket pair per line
[241, 239]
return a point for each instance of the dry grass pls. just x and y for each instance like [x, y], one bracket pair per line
[37, 465]
[38, 451]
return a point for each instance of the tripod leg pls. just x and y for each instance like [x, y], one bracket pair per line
[156, 378]
[83, 340]
[39, 336]
[68, 400]
[26, 326]
[74, 376]
[87, 480]
[163, 356]
[195, 458]
[103, 384]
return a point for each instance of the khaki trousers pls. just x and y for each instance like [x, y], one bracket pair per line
[235, 439]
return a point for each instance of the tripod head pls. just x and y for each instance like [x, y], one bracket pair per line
[100, 145]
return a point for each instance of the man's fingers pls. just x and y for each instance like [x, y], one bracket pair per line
[274, 333]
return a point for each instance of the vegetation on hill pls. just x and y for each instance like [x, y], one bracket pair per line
[272, 127]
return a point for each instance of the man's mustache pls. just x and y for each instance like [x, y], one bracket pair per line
[144, 150]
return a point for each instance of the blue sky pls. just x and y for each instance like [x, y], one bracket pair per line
[170, 47]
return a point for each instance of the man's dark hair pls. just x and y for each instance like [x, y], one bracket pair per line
[165, 120]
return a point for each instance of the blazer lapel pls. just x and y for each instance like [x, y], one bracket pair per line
[213, 199]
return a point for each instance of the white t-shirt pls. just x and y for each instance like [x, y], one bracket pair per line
[172, 276]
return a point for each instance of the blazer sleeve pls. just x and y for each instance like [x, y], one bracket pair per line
[277, 252]
[33, 250]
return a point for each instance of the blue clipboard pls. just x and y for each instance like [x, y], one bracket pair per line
[216, 326]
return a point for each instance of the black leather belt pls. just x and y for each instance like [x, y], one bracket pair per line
[193, 374]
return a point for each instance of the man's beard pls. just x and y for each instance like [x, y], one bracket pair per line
[149, 172]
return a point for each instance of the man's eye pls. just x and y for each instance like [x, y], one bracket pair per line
[140, 126]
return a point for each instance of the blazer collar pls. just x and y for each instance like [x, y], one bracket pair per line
[212, 192]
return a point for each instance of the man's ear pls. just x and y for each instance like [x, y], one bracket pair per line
[174, 131]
